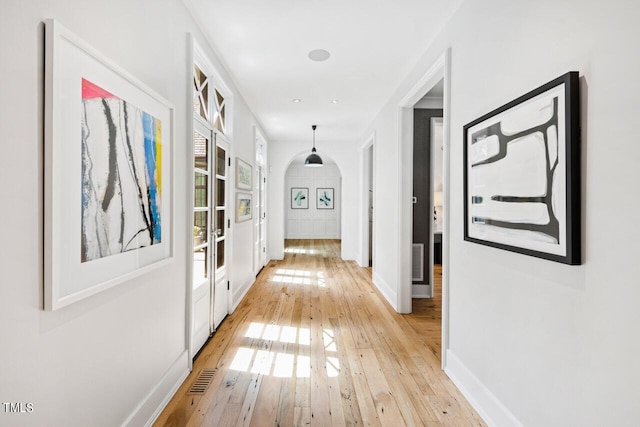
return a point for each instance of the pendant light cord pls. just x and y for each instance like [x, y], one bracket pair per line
[314, 136]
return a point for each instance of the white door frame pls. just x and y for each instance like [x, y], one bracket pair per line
[189, 210]
[363, 260]
[440, 69]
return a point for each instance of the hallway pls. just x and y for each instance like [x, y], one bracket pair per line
[314, 344]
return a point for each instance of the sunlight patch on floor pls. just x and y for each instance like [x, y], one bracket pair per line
[282, 364]
[300, 251]
[297, 277]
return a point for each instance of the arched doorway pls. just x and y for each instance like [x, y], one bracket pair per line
[312, 200]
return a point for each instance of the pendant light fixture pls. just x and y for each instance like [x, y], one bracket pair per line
[313, 160]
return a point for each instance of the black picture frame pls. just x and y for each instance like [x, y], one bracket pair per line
[299, 198]
[522, 176]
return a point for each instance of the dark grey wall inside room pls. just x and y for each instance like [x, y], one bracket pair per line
[422, 213]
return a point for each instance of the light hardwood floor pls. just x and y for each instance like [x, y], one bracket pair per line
[314, 344]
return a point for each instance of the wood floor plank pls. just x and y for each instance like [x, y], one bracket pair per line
[386, 406]
[361, 388]
[350, 408]
[314, 343]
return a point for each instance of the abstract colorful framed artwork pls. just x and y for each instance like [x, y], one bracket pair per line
[108, 172]
[243, 207]
[522, 174]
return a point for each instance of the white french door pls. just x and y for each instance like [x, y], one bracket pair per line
[202, 273]
[211, 220]
[260, 241]
[211, 225]
[262, 229]
[220, 301]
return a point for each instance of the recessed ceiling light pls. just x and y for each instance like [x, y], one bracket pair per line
[335, 101]
[296, 100]
[319, 55]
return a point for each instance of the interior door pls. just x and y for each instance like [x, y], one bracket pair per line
[263, 217]
[256, 222]
[220, 295]
[203, 247]
[260, 233]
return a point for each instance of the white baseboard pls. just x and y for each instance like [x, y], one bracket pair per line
[420, 291]
[387, 291]
[152, 405]
[486, 404]
[239, 293]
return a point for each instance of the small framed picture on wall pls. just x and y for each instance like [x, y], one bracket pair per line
[243, 207]
[243, 174]
[324, 198]
[299, 198]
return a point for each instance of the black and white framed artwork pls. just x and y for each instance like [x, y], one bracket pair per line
[522, 174]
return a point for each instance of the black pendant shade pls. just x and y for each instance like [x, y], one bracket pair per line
[313, 159]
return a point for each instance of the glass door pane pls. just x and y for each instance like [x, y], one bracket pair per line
[201, 217]
[220, 205]
[221, 216]
[200, 93]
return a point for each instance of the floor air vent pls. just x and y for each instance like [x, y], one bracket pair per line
[202, 382]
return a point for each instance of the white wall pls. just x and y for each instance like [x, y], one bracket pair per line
[242, 274]
[533, 342]
[313, 223]
[114, 356]
[345, 156]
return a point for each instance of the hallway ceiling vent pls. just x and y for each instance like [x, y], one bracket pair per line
[319, 55]
[313, 160]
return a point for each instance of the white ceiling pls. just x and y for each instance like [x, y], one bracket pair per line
[373, 44]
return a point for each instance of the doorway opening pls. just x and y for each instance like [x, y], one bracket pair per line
[437, 217]
[427, 192]
[427, 215]
[312, 200]
[366, 258]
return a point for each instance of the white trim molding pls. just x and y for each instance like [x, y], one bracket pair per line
[150, 408]
[238, 294]
[486, 404]
[385, 289]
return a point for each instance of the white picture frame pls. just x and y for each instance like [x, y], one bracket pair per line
[91, 193]
[244, 175]
[244, 208]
